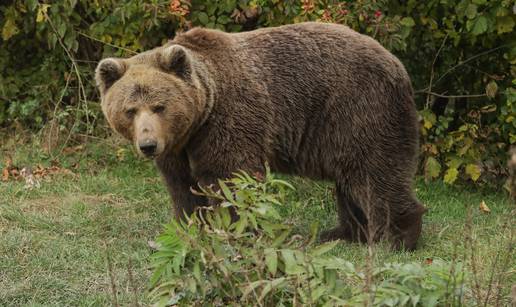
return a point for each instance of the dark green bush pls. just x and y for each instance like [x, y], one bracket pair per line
[461, 56]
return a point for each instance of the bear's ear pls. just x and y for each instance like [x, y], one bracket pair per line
[108, 72]
[177, 60]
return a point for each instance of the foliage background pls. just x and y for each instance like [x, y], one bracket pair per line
[461, 56]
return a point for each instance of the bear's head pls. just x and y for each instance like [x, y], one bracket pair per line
[154, 99]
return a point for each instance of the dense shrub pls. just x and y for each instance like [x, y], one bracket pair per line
[460, 54]
[258, 262]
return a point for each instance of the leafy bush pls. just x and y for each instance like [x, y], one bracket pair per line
[461, 56]
[210, 261]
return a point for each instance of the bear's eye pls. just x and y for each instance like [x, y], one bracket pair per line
[158, 109]
[130, 113]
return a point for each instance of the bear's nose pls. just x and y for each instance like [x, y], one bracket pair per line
[148, 147]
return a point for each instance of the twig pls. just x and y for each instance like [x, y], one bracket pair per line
[471, 245]
[131, 282]
[108, 44]
[450, 96]
[78, 74]
[507, 260]
[471, 59]
[111, 276]
[464, 62]
[432, 69]
[54, 114]
[372, 229]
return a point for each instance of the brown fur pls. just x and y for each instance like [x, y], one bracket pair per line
[511, 165]
[311, 99]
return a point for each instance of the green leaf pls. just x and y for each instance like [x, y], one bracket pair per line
[451, 175]
[280, 239]
[432, 168]
[211, 7]
[32, 4]
[291, 265]
[52, 40]
[251, 287]
[226, 191]
[69, 39]
[271, 260]
[480, 25]
[223, 19]
[197, 271]
[61, 29]
[480, 2]
[229, 6]
[241, 224]
[471, 11]
[323, 248]
[407, 22]
[314, 227]
[473, 171]
[331, 277]
[203, 18]
[269, 286]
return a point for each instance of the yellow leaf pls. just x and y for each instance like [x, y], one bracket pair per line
[428, 124]
[484, 208]
[9, 30]
[451, 175]
[5, 174]
[120, 154]
[491, 89]
[473, 171]
[107, 38]
[42, 12]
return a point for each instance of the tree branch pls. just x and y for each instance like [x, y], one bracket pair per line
[449, 96]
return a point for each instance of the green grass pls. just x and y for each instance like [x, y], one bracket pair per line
[55, 240]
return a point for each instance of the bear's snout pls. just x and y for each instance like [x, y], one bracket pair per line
[148, 147]
[148, 137]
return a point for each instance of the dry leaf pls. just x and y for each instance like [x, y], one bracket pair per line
[74, 149]
[31, 175]
[259, 176]
[5, 171]
[153, 245]
[429, 261]
[5, 174]
[30, 181]
[484, 208]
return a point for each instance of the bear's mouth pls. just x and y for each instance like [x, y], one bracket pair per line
[149, 148]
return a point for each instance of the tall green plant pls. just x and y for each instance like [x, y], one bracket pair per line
[208, 260]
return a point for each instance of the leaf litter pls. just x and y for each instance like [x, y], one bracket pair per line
[33, 176]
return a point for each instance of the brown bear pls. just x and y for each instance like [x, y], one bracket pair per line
[311, 99]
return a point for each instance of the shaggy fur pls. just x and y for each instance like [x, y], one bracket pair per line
[311, 99]
[511, 165]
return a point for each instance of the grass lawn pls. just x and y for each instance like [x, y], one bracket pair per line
[57, 241]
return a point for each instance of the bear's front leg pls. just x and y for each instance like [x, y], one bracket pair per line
[209, 173]
[178, 178]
